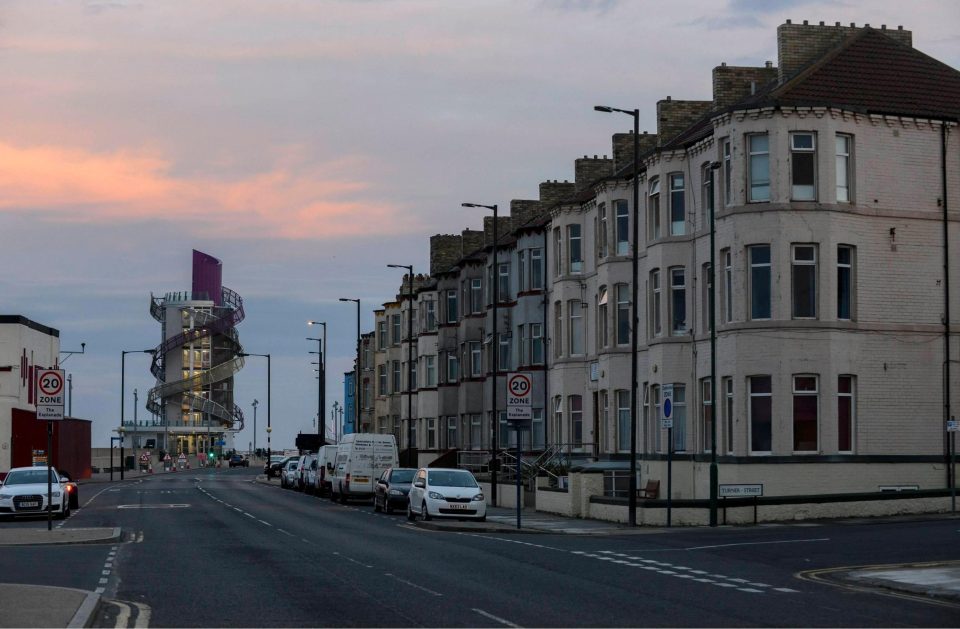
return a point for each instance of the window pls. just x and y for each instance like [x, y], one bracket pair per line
[430, 369]
[536, 269]
[430, 308]
[476, 359]
[655, 323]
[623, 225]
[601, 401]
[678, 214]
[453, 367]
[537, 434]
[381, 334]
[602, 314]
[761, 413]
[844, 146]
[504, 281]
[845, 413]
[523, 357]
[759, 167]
[521, 271]
[727, 298]
[804, 276]
[759, 281]
[602, 230]
[623, 420]
[412, 435]
[557, 330]
[805, 403]
[431, 433]
[508, 438]
[623, 314]
[678, 302]
[803, 166]
[366, 354]
[557, 417]
[365, 403]
[727, 172]
[574, 249]
[706, 193]
[727, 393]
[503, 352]
[395, 329]
[707, 296]
[451, 306]
[412, 376]
[653, 210]
[476, 295]
[536, 343]
[452, 432]
[557, 252]
[679, 418]
[396, 376]
[476, 432]
[706, 413]
[655, 419]
[575, 312]
[845, 282]
[576, 420]
[382, 380]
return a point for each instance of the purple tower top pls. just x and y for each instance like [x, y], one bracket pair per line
[208, 276]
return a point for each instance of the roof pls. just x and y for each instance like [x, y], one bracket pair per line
[33, 325]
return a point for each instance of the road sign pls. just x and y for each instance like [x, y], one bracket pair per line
[666, 420]
[145, 457]
[953, 425]
[182, 458]
[166, 457]
[50, 395]
[741, 491]
[519, 397]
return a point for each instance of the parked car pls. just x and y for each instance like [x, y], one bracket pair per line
[289, 476]
[237, 460]
[361, 459]
[24, 492]
[310, 475]
[303, 466]
[392, 489]
[277, 464]
[445, 492]
[73, 490]
[326, 458]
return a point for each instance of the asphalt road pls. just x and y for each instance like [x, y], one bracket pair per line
[215, 548]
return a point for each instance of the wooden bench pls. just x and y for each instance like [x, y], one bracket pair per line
[650, 490]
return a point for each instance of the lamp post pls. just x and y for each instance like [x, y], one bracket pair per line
[321, 414]
[269, 427]
[714, 405]
[494, 344]
[255, 404]
[409, 269]
[321, 425]
[635, 315]
[67, 354]
[333, 415]
[356, 372]
[123, 365]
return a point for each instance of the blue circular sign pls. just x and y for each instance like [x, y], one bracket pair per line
[667, 408]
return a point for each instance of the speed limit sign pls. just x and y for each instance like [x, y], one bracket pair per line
[50, 394]
[519, 396]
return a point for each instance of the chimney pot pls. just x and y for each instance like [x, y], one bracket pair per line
[866, 26]
[723, 64]
[853, 24]
[837, 24]
[805, 23]
[594, 157]
[900, 28]
[821, 22]
[768, 64]
[789, 22]
[883, 27]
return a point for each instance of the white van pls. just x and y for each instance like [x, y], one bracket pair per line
[326, 459]
[361, 459]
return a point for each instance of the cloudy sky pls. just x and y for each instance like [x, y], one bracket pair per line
[309, 143]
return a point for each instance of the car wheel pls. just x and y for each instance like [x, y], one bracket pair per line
[376, 505]
[410, 515]
[423, 512]
[386, 506]
[74, 500]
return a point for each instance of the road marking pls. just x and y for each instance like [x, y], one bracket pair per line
[157, 506]
[785, 590]
[783, 541]
[359, 563]
[99, 590]
[285, 532]
[123, 618]
[495, 618]
[105, 573]
[412, 584]
[249, 516]
[264, 522]
[103, 581]
[143, 616]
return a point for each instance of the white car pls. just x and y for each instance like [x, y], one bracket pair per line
[24, 492]
[289, 474]
[445, 492]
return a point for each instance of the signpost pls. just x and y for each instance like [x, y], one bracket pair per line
[50, 401]
[666, 421]
[520, 414]
[752, 490]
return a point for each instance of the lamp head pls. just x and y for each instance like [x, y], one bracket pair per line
[603, 108]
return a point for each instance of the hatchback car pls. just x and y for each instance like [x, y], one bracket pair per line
[288, 477]
[392, 489]
[446, 492]
[24, 492]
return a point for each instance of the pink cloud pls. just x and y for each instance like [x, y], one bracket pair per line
[293, 200]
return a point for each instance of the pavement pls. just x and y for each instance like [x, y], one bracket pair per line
[44, 606]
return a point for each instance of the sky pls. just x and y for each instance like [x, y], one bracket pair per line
[307, 144]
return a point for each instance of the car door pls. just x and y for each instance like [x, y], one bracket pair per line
[381, 493]
[417, 489]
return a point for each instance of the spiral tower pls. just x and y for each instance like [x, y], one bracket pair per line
[195, 362]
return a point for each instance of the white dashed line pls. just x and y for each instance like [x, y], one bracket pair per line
[495, 618]
[103, 581]
[285, 532]
[414, 585]
[264, 522]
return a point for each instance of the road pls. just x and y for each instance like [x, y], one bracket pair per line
[215, 548]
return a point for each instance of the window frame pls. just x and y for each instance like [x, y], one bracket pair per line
[802, 397]
[755, 398]
[575, 328]
[536, 268]
[851, 398]
[846, 158]
[727, 161]
[796, 155]
[754, 157]
[602, 251]
[846, 278]
[804, 266]
[622, 223]
[574, 248]
[656, 297]
[678, 300]
[653, 210]
[755, 269]
[678, 205]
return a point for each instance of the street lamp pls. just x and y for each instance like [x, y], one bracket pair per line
[321, 374]
[409, 269]
[494, 343]
[356, 373]
[123, 364]
[635, 315]
[255, 404]
[323, 382]
[67, 354]
[269, 428]
[714, 405]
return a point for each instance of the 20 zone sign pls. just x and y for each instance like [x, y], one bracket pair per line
[50, 395]
[519, 393]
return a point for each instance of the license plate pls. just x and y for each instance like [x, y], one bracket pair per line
[361, 479]
[29, 504]
[458, 506]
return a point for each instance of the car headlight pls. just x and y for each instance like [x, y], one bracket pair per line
[478, 497]
[6, 496]
[395, 492]
[56, 494]
[436, 496]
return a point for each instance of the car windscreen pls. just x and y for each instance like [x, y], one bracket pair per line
[451, 479]
[402, 476]
[27, 477]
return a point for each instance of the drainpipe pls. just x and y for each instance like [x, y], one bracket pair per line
[951, 480]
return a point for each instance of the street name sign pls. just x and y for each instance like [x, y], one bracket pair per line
[50, 394]
[666, 407]
[519, 395]
[741, 491]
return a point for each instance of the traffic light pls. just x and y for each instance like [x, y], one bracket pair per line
[210, 454]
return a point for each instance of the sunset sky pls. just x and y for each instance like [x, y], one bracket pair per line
[309, 143]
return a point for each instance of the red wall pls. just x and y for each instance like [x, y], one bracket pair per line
[71, 442]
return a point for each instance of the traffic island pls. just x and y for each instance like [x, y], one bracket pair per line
[43, 537]
[46, 606]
